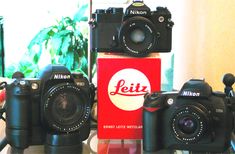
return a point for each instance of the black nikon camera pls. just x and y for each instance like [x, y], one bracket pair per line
[137, 32]
[196, 119]
[53, 109]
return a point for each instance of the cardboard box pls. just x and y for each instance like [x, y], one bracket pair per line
[122, 83]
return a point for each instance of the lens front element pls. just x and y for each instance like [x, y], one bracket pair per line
[66, 107]
[189, 123]
[137, 36]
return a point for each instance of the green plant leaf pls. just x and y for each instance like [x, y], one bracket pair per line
[67, 41]
[84, 19]
[67, 21]
[36, 58]
[10, 70]
[81, 13]
[56, 42]
[40, 37]
[83, 63]
[28, 68]
[69, 60]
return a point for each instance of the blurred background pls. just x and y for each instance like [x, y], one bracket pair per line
[39, 32]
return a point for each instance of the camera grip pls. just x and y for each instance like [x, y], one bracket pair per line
[17, 114]
[152, 139]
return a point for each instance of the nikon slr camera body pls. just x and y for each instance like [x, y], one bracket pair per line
[53, 109]
[137, 32]
[195, 119]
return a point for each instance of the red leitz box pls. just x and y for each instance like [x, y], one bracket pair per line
[122, 83]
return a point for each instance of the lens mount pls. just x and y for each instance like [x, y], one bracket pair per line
[65, 107]
[189, 123]
[137, 36]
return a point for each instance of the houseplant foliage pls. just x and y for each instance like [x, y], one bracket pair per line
[64, 43]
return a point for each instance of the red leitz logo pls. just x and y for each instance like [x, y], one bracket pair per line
[129, 90]
[127, 87]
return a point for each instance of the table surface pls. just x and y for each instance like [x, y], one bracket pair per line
[90, 146]
[93, 145]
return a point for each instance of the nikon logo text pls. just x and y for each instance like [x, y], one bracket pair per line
[61, 76]
[138, 12]
[126, 89]
[190, 93]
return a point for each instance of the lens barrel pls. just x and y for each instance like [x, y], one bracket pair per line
[66, 107]
[137, 36]
[189, 123]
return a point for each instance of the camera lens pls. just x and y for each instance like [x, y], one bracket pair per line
[137, 36]
[189, 123]
[66, 107]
